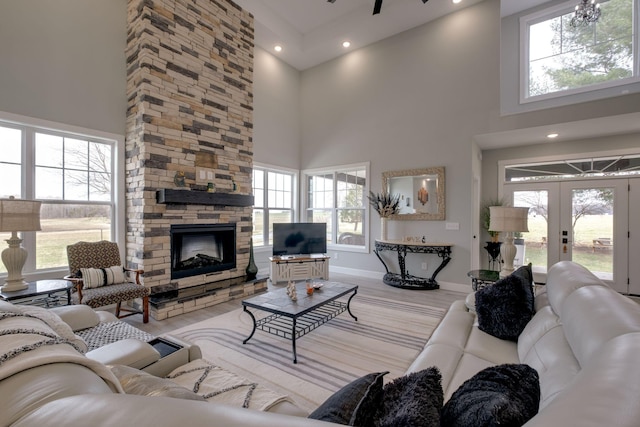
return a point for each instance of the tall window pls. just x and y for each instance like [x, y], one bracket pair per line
[72, 175]
[560, 59]
[338, 198]
[273, 191]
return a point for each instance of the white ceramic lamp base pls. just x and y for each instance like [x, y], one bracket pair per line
[14, 258]
[508, 252]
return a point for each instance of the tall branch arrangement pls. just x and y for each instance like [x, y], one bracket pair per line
[384, 203]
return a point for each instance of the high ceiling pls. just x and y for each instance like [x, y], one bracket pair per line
[312, 31]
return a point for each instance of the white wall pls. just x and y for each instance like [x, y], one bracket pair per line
[411, 101]
[64, 61]
[276, 119]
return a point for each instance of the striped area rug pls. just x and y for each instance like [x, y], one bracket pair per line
[387, 337]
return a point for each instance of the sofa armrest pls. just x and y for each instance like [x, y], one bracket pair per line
[129, 352]
[78, 317]
[185, 354]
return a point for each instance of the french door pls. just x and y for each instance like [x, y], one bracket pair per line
[590, 222]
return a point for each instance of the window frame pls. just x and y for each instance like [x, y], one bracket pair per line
[29, 126]
[553, 12]
[335, 210]
[514, 45]
[267, 245]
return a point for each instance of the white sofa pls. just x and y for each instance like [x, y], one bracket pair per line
[584, 341]
[55, 385]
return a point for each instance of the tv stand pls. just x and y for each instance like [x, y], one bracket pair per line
[299, 267]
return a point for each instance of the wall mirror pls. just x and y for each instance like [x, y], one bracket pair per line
[421, 191]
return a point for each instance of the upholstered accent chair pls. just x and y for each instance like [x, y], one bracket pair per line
[96, 270]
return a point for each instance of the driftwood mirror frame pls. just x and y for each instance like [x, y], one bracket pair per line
[438, 173]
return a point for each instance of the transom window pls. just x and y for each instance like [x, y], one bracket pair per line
[560, 59]
[338, 198]
[73, 176]
[274, 200]
[613, 166]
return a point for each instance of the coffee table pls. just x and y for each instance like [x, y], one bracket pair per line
[294, 319]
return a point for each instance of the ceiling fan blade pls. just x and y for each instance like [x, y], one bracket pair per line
[377, 7]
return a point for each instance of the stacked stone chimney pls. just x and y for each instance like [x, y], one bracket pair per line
[189, 122]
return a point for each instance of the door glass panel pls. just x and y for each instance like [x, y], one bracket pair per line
[532, 246]
[592, 225]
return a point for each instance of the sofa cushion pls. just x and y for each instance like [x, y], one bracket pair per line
[135, 381]
[78, 317]
[506, 395]
[505, 307]
[54, 321]
[563, 278]
[357, 403]
[413, 400]
[543, 346]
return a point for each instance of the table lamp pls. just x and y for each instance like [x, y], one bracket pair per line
[508, 220]
[17, 215]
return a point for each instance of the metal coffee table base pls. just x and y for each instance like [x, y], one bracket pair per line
[295, 326]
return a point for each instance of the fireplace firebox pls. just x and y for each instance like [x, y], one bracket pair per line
[202, 248]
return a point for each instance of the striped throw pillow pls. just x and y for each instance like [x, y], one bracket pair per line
[92, 277]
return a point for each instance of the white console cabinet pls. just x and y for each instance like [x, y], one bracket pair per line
[299, 267]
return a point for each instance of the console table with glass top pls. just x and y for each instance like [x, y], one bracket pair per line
[482, 278]
[404, 279]
[45, 293]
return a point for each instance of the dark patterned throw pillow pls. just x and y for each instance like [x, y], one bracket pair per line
[505, 307]
[413, 400]
[355, 404]
[504, 395]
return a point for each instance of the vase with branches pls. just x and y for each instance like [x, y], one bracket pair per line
[385, 204]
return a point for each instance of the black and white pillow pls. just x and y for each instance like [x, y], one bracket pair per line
[96, 277]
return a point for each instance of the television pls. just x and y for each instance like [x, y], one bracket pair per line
[299, 238]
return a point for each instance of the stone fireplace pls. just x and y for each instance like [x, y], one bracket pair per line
[189, 123]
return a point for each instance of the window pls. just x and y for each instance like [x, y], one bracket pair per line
[338, 198]
[561, 59]
[72, 174]
[273, 191]
[595, 167]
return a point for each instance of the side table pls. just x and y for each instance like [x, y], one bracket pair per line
[46, 288]
[482, 278]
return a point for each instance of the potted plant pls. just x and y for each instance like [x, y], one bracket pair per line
[386, 205]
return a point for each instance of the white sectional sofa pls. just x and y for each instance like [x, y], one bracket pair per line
[584, 342]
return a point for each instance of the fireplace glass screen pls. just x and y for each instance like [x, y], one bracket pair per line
[202, 248]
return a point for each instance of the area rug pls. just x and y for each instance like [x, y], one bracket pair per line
[387, 337]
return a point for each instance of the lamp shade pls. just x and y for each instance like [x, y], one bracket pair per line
[508, 219]
[19, 215]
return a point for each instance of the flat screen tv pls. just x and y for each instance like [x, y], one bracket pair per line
[299, 238]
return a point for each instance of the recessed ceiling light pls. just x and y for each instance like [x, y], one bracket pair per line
[346, 43]
[552, 135]
[456, 1]
[277, 48]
